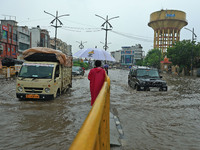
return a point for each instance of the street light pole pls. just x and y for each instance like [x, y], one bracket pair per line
[104, 45]
[193, 34]
[57, 20]
[106, 28]
[81, 46]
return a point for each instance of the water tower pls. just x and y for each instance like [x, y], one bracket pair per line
[167, 25]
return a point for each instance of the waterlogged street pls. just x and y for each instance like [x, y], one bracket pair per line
[149, 120]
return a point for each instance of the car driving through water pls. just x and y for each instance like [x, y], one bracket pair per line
[145, 78]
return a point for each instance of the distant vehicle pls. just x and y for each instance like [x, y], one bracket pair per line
[77, 70]
[145, 78]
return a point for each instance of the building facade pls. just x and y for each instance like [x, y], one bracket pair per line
[35, 36]
[39, 37]
[62, 46]
[8, 38]
[131, 54]
[117, 55]
[24, 36]
[44, 38]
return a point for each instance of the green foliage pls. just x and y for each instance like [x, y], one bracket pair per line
[183, 54]
[153, 58]
[140, 62]
[81, 64]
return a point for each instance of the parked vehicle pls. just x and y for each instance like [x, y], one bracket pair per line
[77, 70]
[43, 78]
[145, 78]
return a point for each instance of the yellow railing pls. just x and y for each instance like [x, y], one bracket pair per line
[95, 131]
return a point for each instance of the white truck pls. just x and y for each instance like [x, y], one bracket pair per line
[43, 77]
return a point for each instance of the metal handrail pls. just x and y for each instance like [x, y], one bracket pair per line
[95, 131]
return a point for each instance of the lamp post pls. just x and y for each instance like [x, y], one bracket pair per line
[193, 35]
[56, 18]
[81, 46]
[104, 45]
[106, 23]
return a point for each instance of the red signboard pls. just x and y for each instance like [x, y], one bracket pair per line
[4, 28]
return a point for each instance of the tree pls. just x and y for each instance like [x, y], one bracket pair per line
[197, 55]
[140, 62]
[184, 54]
[153, 58]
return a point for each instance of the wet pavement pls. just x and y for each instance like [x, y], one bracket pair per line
[149, 120]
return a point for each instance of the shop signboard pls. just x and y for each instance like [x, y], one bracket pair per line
[5, 28]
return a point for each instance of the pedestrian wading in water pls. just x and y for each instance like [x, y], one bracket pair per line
[97, 77]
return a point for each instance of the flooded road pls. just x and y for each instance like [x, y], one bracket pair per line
[149, 120]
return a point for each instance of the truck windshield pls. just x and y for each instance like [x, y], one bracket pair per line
[33, 70]
[147, 72]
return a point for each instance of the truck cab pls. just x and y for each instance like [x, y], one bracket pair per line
[42, 80]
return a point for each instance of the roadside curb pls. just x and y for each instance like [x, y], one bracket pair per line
[117, 125]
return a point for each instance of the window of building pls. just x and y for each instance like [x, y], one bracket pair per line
[5, 33]
[23, 46]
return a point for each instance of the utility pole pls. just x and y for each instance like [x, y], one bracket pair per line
[106, 28]
[81, 46]
[193, 35]
[104, 45]
[56, 18]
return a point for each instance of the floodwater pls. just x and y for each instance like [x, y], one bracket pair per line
[149, 120]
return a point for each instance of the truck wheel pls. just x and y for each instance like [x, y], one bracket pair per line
[58, 93]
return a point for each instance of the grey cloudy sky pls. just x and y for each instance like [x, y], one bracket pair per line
[82, 25]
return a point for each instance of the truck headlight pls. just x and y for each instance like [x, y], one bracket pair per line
[20, 89]
[47, 90]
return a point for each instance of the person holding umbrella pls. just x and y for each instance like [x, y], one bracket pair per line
[97, 77]
[106, 68]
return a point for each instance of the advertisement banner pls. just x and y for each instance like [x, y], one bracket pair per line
[127, 59]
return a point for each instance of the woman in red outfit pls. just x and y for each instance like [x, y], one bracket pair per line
[97, 78]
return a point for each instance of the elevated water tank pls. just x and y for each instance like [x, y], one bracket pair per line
[167, 25]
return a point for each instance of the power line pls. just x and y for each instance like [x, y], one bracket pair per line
[133, 37]
[80, 29]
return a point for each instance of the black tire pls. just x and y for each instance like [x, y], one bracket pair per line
[161, 89]
[58, 93]
[165, 89]
[138, 88]
[146, 89]
[129, 83]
